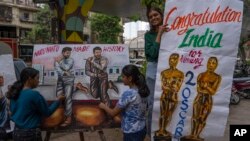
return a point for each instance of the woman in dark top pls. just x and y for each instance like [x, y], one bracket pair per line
[152, 46]
[28, 106]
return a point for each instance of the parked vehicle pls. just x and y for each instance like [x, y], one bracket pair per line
[235, 97]
[240, 88]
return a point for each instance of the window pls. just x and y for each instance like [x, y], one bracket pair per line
[5, 13]
[26, 16]
[117, 70]
[29, 51]
[26, 52]
[52, 74]
[111, 70]
[21, 1]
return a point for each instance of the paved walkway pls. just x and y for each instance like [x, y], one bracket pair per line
[110, 135]
[239, 114]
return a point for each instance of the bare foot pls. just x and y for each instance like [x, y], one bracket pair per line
[80, 87]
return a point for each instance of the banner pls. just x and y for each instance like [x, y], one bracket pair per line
[195, 69]
[7, 78]
[86, 75]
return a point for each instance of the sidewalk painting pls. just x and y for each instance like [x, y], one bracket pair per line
[7, 78]
[195, 70]
[86, 75]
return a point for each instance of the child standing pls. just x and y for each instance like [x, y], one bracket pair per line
[132, 105]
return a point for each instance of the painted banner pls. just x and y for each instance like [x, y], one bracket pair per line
[195, 70]
[86, 75]
[7, 78]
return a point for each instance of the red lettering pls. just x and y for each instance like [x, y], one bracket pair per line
[183, 22]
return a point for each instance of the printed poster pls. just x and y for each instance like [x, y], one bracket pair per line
[195, 70]
[86, 75]
[7, 78]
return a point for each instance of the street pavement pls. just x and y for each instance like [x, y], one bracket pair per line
[238, 114]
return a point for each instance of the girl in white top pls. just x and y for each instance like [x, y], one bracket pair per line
[132, 105]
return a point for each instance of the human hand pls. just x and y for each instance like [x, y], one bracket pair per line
[102, 105]
[164, 28]
[93, 75]
[61, 98]
[205, 85]
[66, 73]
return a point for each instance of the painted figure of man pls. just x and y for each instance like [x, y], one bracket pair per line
[207, 85]
[96, 69]
[171, 81]
[64, 66]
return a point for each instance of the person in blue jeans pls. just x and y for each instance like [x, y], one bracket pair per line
[151, 48]
[28, 106]
[132, 105]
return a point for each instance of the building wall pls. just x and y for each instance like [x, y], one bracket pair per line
[136, 45]
[16, 18]
[22, 13]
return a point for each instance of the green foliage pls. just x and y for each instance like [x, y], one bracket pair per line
[143, 69]
[41, 32]
[248, 62]
[107, 28]
[247, 2]
[135, 17]
[154, 3]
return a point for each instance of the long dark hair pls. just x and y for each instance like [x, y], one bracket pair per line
[137, 78]
[153, 28]
[16, 88]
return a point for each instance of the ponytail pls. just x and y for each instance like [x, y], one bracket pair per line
[143, 89]
[15, 90]
[137, 78]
